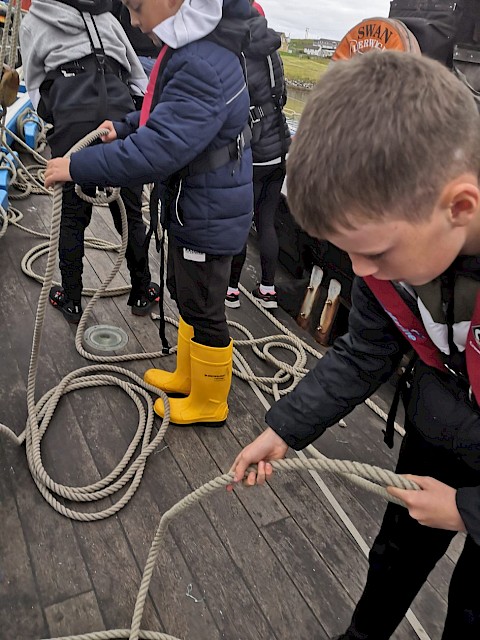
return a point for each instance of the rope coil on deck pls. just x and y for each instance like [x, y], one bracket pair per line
[41, 412]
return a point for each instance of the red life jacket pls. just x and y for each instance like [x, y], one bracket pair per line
[414, 331]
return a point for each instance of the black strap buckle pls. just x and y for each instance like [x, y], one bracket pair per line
[101, 60]
[256, 114]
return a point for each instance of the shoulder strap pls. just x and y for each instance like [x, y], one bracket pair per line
[406, 321]
[98, 51]
[99, 54]
[472, 350]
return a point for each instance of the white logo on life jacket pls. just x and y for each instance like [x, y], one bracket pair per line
[476, 334]
[411, 334]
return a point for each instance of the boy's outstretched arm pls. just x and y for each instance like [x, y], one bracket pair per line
[350, 372]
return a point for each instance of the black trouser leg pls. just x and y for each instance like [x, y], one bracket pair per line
[199, 289]
[237, 265]
[76, 216]
[400, 560]
[463, 615]
[267, 186]
[404, 551]
[136, 253]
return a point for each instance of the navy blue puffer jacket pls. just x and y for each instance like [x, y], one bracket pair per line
[204, 104]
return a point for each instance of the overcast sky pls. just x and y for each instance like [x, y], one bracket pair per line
[323, 18]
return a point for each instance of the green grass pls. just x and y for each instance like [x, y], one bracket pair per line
[303, 69]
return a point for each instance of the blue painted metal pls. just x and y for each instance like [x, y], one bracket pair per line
[31, 131]
[22, 103]
[3, 199]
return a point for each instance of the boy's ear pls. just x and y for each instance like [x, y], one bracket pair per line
[461, 198]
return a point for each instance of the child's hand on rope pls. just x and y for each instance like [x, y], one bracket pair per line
[112, 134]
[434, 506]
[268, 446]
[58, 170]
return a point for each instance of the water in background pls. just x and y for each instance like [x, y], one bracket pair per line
[297, 98]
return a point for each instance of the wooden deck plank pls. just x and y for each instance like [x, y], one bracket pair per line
[246, 546]
[49, 537]
[172, 580]
[74, 616]
[21, 612]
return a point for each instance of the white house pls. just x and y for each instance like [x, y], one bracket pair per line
[322, 48]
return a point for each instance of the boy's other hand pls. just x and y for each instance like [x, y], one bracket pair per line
[112, 134]
[58, 170]
[268, 446]
[434, 506]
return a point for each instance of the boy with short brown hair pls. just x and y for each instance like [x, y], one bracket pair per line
[385, 165]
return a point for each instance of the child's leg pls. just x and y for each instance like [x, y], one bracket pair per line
[199, 290]
[137, 250]
[267, 182]
[404, 552]
[76, 215]
[401, 558]
[237, 265]
[463, 614]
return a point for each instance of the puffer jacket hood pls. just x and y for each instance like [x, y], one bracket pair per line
[223, 21]
[65, 16]
[233, 31]
[263, 40]
[194, 20]
[95, 7]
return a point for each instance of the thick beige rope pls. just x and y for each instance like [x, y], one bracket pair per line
[41, 412]
[377, 479]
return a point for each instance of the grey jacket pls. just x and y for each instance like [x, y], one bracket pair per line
[53, 33]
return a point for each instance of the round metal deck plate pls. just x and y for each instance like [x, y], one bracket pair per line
[105, 338]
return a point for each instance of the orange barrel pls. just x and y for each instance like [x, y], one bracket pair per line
[376, 33]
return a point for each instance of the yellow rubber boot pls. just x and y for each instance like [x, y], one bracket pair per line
[179, 380]
[211, 379]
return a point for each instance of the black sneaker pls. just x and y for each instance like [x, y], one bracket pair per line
[142, 305]
[71, 310]
[267, 300]
[232, 300]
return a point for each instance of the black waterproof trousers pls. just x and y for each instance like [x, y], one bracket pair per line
[267, 186]
[76, 216]
[405, 552]
[198, 288]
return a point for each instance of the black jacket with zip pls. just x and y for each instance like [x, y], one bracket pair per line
[266, 85]
[354, 368]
